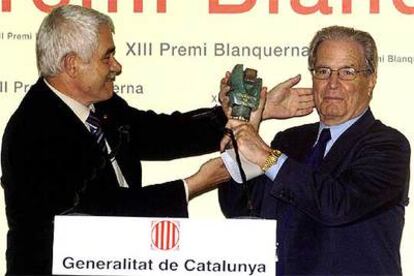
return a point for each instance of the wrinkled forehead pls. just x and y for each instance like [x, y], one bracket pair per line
[339, 53]
[105, 39]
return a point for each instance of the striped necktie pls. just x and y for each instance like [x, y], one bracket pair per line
[318, 151]
[96, 130]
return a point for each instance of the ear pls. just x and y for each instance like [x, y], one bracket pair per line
[372, 81]
[70, 65]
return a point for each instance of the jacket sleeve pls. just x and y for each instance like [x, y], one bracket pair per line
[165, 137]
[161, 200]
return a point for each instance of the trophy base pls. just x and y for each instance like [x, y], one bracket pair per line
[240, 112]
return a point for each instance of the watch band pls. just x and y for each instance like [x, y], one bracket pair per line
[271, 159]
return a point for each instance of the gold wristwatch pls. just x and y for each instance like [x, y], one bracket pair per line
[271, 159]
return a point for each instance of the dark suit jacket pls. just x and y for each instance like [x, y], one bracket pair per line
[51, 165]
[345, 218]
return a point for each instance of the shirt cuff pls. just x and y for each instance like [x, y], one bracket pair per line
[186, 190]
[250, 169]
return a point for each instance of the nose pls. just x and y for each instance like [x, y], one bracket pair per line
[116, 66]
[333, 80]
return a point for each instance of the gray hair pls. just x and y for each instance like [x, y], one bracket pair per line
[344, 33]
[68, 29]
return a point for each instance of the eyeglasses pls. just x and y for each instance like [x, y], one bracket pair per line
[344, 73]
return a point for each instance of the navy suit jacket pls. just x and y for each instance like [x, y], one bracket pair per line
[52, 165]
[344, 218]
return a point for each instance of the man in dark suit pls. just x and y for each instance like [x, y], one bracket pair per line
[74, 147]
[339, 194]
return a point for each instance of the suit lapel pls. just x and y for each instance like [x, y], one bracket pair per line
[60, 116]
[298, 142]
[308, 142]
[347, 141]
[67, 125]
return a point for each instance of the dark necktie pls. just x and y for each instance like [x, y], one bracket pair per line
[96, 130]
[316, 155]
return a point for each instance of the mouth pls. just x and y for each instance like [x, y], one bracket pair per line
[111, 77]
[332, 99]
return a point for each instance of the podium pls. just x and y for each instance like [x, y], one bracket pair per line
[90, 245]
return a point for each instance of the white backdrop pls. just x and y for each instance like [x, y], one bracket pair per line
[186, 79]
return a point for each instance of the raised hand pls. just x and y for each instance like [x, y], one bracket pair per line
[223, 94]
[283, 101]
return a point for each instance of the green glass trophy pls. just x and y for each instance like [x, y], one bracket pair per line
[244, 92]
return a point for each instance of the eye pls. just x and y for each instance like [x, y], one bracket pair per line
[347, 73]
[108, 57]
[105, 58]
[322, 71]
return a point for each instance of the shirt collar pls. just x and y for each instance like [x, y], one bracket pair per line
[337, 130]
[80, 110]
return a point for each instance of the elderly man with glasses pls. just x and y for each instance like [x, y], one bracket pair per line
[338, 188]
